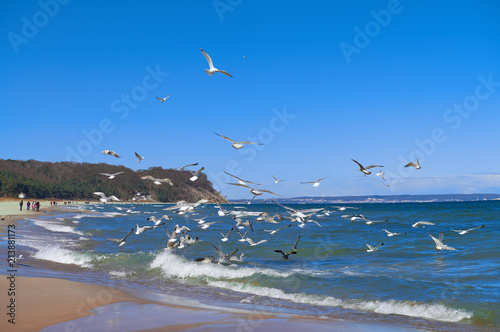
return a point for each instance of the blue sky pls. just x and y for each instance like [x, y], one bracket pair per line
[382, 82]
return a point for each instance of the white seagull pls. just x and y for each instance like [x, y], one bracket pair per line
[381, 174]
[159, 181]
[372, 248]
[212, 69]
[439, 243]
[105, 199]
[364, 170]
[111, 153]
[196, 174]
[111, 176]
[236, 145]
[162, 99]
[142, 229]
[389, 233]
[225, 236]
[463, 232]
[276, 180]
[252, 244]
[422, 223]
[317, 182]
[122, 241]
[182, 167]
[414, 164]
[274, 231]
[255, 192]
[158, 221]
[139, 158]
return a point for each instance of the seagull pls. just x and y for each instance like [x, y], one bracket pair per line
[315, 183]
[111, 176]
[208, 224]
[389, 233]
[369, 222]
[201, 220]
[236, 145]
[223, 258]
[243, 236]
[463, 232]
[255, 192]
[274, 231]
[142, 229]
[181, 229]
[414, 164]
[364, 170]
[111, 153]
[122, 241]
[270, 219]
[212, 69]
[241, 181]
[422, 223]
[195, 174]
[205, 260]
[224, 237]
[139, 158]
[276, 180]
[286, 254]
[158, 221]
[182, 167]
[381, 174]
[252, 244]
[221, 211]
[159, 181]
[372, 248]
[105, 199]
[439, 243]
[294, 245]
[162, 99]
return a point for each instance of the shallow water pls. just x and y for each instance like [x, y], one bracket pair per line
[405, 283]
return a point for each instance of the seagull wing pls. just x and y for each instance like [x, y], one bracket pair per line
[411, 164]
[113, 198]
[371, 166]
[240, 185]
[118, 173]
[281, 252]
[105, 174]
[268, 191]
[199, 171]
[114, 154]
[360, 166]
[137, 155]
[322, 178]
[209, 59]
[248, 142]
[436, 241]
[234, 252]
[131, 231]
[100, 194]
[224, 72]
[230, 140]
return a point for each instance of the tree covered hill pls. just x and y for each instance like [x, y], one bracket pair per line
[70, 180]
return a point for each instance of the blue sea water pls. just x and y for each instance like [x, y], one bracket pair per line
[405, 283]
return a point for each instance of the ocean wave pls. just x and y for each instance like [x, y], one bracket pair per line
[63, 256]
[407, 308]
[178, 267]
[55, 227]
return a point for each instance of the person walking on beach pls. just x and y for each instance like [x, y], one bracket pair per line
[28, 205]
[21, 205]
[37, 206]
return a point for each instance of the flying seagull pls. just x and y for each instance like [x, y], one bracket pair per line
[381, 174]
[252, 244]
[111, 153]
[225, 236]
[240, 180]
[139, 158]
[236, 145]
[439, 243]
[286, 254]
[162, 99]
[111, 176]
[364, 170]
[316, 183]
[389, 233]
[414, 164]
[159, 181]
[372, 248]
[212, 69]
[294, 245]
[276, 180]
[182, 167]
[105, 199]
[463, 232]
[195, 174]
[274, 231]
[122, 241]
[255, 192]
[223, 258]
[142, 229]
[422, 223]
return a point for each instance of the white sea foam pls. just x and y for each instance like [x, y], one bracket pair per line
[118, 274]
[178, 267]
[60, 255]
[55, 227]
[429, 311]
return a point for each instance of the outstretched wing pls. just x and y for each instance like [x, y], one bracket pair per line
[224, 72]
[209, 59]
[269, 191]
[371, 166]
[230, 140]
[360, 166]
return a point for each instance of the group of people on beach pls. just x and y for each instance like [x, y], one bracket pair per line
[35, 206]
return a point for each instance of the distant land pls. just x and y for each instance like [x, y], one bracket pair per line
[79, 181]
[379, 199]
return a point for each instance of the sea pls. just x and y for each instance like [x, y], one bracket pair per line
[406, 283]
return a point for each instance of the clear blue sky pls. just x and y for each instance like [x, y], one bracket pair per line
[318, 83]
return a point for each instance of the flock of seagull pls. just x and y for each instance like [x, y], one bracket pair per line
[180, 236]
